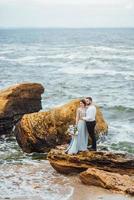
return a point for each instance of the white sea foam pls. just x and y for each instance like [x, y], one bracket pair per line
[118, 134]
[21, 60]
[90, 55]
[2, 58]
[119, 49]
[6, 51]
[92, 72]
[33, 180]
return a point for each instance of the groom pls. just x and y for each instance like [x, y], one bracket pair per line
[90, 121]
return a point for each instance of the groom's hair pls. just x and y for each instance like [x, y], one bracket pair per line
[90, 98]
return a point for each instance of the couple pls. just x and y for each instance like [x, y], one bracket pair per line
[85, 122]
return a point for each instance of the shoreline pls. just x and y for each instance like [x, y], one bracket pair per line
[40, 181]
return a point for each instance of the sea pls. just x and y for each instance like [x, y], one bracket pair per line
[70, 64]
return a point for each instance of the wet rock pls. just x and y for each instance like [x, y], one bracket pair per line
[108, 180]
[16, 101]
[39, 132]
[65, 163]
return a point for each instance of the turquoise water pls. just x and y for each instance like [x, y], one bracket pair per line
[71, 63]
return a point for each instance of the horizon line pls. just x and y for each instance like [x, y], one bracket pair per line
[64, 27]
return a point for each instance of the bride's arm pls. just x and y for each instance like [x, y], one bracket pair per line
[77, 116]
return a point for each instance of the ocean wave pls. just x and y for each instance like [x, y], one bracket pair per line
[119, 137]
[2, 58]
[123, 146]
[6, 51]
[120, 108]
[21, 60]
[118, 49]
[92, 72]
[89, 54]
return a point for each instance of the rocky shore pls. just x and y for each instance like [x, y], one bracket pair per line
[43, 131]
[104, 169]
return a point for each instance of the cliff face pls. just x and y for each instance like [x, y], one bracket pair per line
[42, 131]
[16, 101]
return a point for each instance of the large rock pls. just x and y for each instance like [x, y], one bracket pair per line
[108, 180]
[16, 101]
[42, 131]
[65, 163]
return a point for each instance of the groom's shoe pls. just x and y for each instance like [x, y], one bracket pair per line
[92, 149]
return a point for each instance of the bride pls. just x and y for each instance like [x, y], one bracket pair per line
[79, 142]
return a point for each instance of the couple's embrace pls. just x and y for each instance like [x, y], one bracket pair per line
[85, 123]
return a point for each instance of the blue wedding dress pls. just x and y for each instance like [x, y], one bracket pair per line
[79, 142]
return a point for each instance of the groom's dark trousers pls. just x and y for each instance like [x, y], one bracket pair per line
[91, 131]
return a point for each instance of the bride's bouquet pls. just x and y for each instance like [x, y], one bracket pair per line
[73, 130]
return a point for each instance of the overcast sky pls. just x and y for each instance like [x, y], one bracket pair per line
[67, 13]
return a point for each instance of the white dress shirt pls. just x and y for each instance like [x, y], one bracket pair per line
[90, 113]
